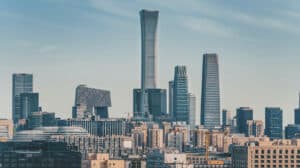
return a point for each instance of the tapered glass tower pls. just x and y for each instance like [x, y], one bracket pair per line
[149, 21]
[210, 95]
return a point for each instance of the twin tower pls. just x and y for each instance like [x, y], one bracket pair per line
[210, 95]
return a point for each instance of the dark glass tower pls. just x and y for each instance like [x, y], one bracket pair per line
[29, 104]
[243, 114]
[297, 113]
[180, 99]
[210, 95]
[273, 121]
[22, 83]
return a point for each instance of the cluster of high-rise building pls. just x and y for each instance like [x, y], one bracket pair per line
[162, 133]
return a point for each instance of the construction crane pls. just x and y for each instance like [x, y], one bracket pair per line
[207, 144]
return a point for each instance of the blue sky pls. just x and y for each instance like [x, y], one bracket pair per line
[65, 43]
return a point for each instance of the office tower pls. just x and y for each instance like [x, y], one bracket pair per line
[292, 131]
[192, 110]
[48, 119]
[210, 94]
[297, 113]
[6, 130]
[22, 83]
[93, 99]
[180, 98]
[156, 103]
[243, 114]
[226, 117]
[273, 121]
[149, 21]
[35, 120]
[29, 104]
[171, 87]
[255, 128]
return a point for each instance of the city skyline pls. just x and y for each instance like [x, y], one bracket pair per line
[254, 87]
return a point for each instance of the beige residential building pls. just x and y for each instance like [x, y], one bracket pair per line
[155, 137]
[101, 160]
[255, 128]
[6, 130]
[267, 154]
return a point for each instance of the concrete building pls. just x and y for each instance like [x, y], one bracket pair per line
[255, 128]
[192, 110]
[273, 121]
[155, 137]
[22, 83]
[175, 141]
[277, 153]
[243, 114]
[210, 93]
[6, 130]
[180, 92]
[198, 139]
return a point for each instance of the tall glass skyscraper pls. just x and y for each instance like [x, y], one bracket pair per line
[149, 21]
[22, 83]
[180, 99]
[171, 87]
[297, 113]
[273, 121]
[29, 104]
[210, 95]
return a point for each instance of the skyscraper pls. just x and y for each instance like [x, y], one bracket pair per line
[22, 83]
[171, 87]
[210, 95]
[273, 121]
[297, 113]
[29, 104]
[180, 98]
[149, 21]
[192, 110]
[226, 117]
[243, 114]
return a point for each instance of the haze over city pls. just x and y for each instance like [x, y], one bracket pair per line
[257, 43]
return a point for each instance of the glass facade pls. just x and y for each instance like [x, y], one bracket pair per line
[22, 83]
[273, 121]
[243, 114]
[180, 99]
[210, 95]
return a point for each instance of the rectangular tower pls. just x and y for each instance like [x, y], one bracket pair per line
[210, 95]
[149, 21]
[273, 121]
[243, 114]
[29, 104]
[22, 83]
[192, 110]
[171, 88]
[180, 97]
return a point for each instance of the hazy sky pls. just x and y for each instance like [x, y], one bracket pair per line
[65, 43]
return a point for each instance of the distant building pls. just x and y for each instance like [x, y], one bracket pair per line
[273, 121]
[292, 131]
[22, 83]
[48, 119]
[149, 22]
[175, 141]
[155, 137]
[29, 104]
[226, 117]
[255, 128]
[156, 103]
[210, 94]
[35, 120]
[96, 102]
[243, 114]
[180, 95]
[6, 130]
[297, 113]
[102, 160]
[171, 88]
[192, 110]
[38, 154]
[278, 153]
